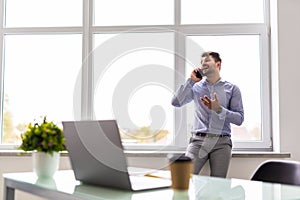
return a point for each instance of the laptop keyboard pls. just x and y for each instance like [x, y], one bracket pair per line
[145, 182]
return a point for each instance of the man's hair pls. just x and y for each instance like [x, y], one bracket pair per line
[214, 55]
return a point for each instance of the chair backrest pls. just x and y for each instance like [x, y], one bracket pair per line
[278, 171]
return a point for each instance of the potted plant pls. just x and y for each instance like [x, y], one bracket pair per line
[45, 140]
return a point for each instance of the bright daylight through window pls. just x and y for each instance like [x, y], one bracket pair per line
[87, 62]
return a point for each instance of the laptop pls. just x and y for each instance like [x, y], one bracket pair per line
[97, 156]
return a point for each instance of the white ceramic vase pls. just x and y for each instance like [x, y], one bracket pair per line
[44, 164]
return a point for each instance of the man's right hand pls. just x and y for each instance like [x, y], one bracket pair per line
[194, 77]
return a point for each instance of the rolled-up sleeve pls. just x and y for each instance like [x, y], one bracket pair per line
[235, 112]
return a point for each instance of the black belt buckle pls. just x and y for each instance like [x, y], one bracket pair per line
[210, 135]
[201, 134]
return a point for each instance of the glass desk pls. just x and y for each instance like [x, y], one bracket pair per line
[64, 186]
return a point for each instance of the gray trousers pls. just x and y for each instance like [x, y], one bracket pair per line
[215, 149]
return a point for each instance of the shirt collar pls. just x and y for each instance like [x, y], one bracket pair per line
[221, 80]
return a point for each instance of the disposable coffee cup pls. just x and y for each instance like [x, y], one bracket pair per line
[181, 167]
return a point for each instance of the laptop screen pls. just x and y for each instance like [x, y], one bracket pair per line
[96, 152]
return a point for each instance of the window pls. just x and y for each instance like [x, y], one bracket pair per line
[133, 12]
[135, 85]
[240, 65]
[125, 59]
[222, 12]
[46, 13]
[35, 83]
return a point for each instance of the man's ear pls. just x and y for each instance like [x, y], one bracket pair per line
[219, 65]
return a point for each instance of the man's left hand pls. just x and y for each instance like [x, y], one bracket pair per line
[212, 104]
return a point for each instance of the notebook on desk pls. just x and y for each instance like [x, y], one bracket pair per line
[97, 156]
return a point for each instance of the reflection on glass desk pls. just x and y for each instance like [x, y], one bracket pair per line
[64, 186]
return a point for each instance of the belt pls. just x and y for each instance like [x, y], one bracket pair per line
[211, 135]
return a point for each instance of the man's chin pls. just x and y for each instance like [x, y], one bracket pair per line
[205, 72]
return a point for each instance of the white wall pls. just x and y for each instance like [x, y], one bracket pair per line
[242, 168]
[289, 70]
[289, 109]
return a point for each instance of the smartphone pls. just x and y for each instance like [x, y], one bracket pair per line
[199, 74]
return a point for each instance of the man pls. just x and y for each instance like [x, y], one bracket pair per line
[218, 103]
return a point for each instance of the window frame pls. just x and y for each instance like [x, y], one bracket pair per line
[87, 88]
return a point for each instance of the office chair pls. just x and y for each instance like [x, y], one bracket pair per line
[278, 171]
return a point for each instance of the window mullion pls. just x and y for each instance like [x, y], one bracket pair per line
[87, 76]
[222, 29]
[180, 140]
[180, 135]
[177, 12]
[2, 11]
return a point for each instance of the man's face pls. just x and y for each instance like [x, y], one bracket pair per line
[208, 65]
